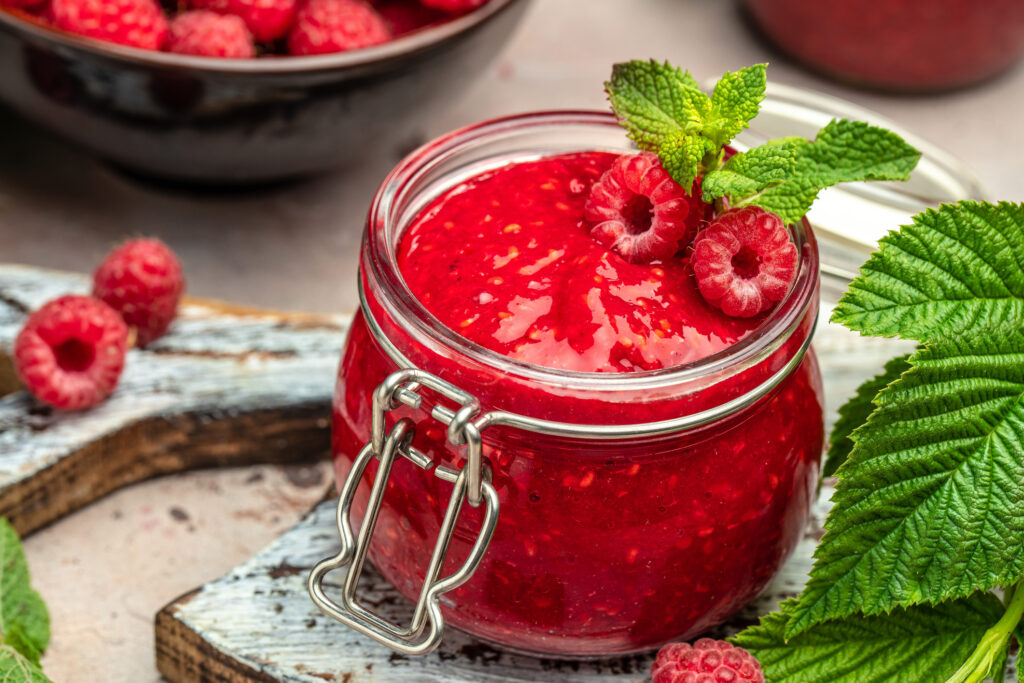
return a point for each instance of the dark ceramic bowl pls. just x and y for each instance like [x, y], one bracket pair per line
[199, 119]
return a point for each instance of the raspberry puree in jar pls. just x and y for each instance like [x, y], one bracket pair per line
[897, 44]
[601, 546]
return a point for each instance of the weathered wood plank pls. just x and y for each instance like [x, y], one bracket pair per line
[227, 386]
[258, 624]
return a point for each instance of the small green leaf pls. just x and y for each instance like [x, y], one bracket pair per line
[655, 100]
[785, 177]
[735, 101]
[24, 620]
[922, 644]
[15, 668]
[956, 267]
[665, 111]
[855, 412]
[930, 504]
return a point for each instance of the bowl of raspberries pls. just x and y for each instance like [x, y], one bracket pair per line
[243, 91]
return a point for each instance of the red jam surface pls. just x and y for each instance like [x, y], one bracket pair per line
[601, 547]
[898, 44]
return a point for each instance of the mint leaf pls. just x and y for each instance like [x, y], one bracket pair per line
[954, 268]
[930, 504]
[15, 668]
[785, 177]
[921, 644]
[735, 101]
[24, 620]
[855, 412]
[665, 111]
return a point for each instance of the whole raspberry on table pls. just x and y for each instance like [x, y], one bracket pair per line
[136, 23]
[268, 20]
[208, 34]
[639, 212]
[70, 353]
[325, 26]
[744, 261]
[142, 280]
[706, 661]
[454, 6]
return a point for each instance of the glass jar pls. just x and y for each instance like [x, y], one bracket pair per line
[907, 45]
[627, 509]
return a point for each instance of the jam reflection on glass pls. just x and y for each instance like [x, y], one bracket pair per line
[601, 547]
[897, 44]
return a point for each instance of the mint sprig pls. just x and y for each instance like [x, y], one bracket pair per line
[786, 176]
[920, 644]
[665, 111]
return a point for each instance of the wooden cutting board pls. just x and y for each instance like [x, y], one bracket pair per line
[226, 386]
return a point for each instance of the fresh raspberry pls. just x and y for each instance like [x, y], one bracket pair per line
[206, 33]
[744, 261]
[136, 23]
[268, 20]
[706, 661]
[142, 281]
[324, 26]
[454, 6]
[70, 352]
[638, 211]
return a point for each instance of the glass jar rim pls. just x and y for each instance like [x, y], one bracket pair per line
[379, 255]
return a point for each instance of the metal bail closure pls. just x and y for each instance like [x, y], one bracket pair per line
[472, 484]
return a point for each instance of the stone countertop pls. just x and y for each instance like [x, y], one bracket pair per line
[107, 569]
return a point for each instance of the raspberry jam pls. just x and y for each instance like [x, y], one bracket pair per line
[673, 452]
[916, 45]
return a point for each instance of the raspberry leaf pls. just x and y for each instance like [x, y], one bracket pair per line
[924, 644]
[16, 668]
[855, 412]
[665, 111]
[24, 620]
[955, 268]
[785, 177]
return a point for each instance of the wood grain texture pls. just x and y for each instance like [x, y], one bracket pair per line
[226, 386]
[258, 624]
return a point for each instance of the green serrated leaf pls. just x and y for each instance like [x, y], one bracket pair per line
[855, 412]
[656, 100]
[786, 179]
[16, 668]
[930, 504]
[664, 111]
[24, 620]
[920, 644]
[956, 267]
[735, 101]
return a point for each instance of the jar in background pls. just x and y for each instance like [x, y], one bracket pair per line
[902, 45]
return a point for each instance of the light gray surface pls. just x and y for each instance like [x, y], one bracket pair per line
[107, 569]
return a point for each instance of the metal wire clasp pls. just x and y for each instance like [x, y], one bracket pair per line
[472, 483]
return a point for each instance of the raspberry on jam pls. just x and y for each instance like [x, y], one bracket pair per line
[601, 547]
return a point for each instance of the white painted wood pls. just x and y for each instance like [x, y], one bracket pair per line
[260, 618]
[217, 364]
